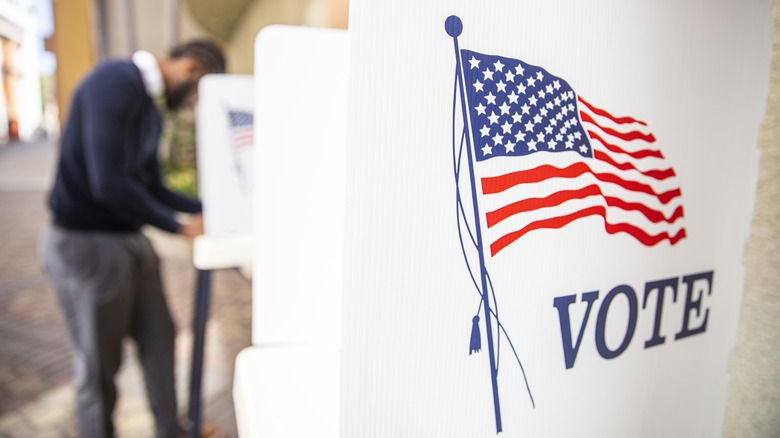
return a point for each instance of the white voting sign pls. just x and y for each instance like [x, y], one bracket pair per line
[547, 204]
[224, 122]
[288, 384]
[301, 101]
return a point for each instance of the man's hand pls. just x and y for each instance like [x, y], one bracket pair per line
[193, 227]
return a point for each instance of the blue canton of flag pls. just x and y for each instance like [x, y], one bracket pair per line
[518, 109]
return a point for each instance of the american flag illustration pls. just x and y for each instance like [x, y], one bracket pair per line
[241, 128]
[545, 158]
[242, 132]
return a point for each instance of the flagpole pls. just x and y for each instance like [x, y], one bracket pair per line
[454, 27]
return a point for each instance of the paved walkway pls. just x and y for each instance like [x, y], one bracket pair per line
[36, 394]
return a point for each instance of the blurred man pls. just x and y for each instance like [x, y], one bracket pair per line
[103, 268]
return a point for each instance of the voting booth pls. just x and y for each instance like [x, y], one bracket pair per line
[225, 138]
[225, 143]
[514, 218]
[301, 106]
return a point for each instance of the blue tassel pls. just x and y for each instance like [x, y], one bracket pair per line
[476, 339]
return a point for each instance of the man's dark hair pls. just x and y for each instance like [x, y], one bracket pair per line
[208, 54]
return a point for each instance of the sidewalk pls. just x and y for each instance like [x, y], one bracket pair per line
[36, 395]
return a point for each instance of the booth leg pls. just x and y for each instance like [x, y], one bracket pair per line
[203, 290]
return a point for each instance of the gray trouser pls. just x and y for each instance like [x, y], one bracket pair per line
[108, 285]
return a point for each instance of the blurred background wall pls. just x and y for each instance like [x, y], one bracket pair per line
[91, 30]
[21, 104]
[39, 38]
[85, 32]
[754, 393]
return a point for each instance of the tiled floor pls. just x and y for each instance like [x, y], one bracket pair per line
[36, 395]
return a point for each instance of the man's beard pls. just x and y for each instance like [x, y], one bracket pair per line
[179, 95]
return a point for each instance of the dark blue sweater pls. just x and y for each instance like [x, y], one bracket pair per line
[108, 176]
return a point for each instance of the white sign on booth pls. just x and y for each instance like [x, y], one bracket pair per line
[288, 383]
[225, 137]
[546, 210]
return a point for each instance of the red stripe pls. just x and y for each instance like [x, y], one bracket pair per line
[240, 143]
[644, 153]
[559, 222]
[602, 113]
[558, 198]
[654, 216]
[496, 216]
[627, 136]
[497, 184]
[638, 187]
[655, 173]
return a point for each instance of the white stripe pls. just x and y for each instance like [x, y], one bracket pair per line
[608, 123]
